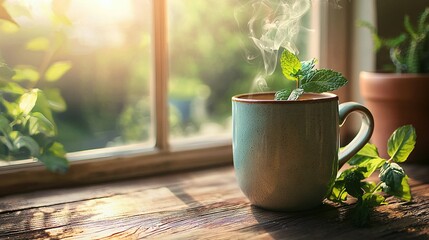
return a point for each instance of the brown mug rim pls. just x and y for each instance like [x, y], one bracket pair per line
[250, 98]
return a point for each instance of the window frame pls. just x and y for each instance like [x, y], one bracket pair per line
[137, 160]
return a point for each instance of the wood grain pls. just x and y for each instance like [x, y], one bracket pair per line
[204, 204]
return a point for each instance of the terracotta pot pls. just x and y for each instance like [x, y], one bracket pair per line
[396, 100]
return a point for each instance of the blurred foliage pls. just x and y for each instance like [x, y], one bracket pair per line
[27, 125]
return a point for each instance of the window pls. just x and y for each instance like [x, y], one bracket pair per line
[150, 82]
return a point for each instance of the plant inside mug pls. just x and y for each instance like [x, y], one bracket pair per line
[308, 79]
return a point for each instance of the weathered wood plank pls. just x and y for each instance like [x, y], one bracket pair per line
[197, 205]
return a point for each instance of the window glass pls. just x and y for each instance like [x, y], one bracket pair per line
[211, 59]
[106, 44]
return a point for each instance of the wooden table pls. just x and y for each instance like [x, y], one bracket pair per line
[205, 204]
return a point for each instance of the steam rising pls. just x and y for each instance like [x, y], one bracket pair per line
[273, 24]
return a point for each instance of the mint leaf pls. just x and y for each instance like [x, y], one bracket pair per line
[403, 191]
[282, 94]
[323, 80]
[391, 174]
[338, 192]
[369, 186]
[308, 66]
[353, 183]
[290, 65]
[295, 94]
[367, 157]
[395, 181]
[370, 165]
[401, 143]
[368, 151]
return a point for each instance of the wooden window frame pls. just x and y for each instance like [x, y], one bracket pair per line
[137, 160]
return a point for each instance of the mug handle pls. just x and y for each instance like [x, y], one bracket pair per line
[364, 134]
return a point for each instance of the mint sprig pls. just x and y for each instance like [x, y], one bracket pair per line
[308, 79]
[393, 180]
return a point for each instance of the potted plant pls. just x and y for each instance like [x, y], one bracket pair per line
[399, 98]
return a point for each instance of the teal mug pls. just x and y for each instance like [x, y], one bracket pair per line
[287, 153]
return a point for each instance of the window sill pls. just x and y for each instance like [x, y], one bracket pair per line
[197, 204]
[100, 166]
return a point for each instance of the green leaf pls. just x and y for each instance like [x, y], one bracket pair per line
[26, 73]
[40, 124]
[7, 145]
[369, 186]
[368, 158]
[373, 200]
[5, 128]
[368, 151]
[42, 106]
[290, 65]
[38, 44]
[395, 181]
[57, 70]
[27, 102]
[338, 192]
[308, 66]
[370, 165]
[401, 143]
[55, 158]
[12, 108]
[307, 71]
[12, 88]
[323, 80]
[55, 100]
[403, 192]
[391, 174]
[6, 72]
[295, 94]
[282, 94]
[353, 183]
[28, 143]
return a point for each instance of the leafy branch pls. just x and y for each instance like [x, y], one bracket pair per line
[308, 79]
[393, 180]
[27, 126]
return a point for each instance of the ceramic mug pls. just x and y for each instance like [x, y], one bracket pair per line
[286, 153]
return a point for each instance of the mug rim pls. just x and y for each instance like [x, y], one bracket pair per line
[317, 97]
